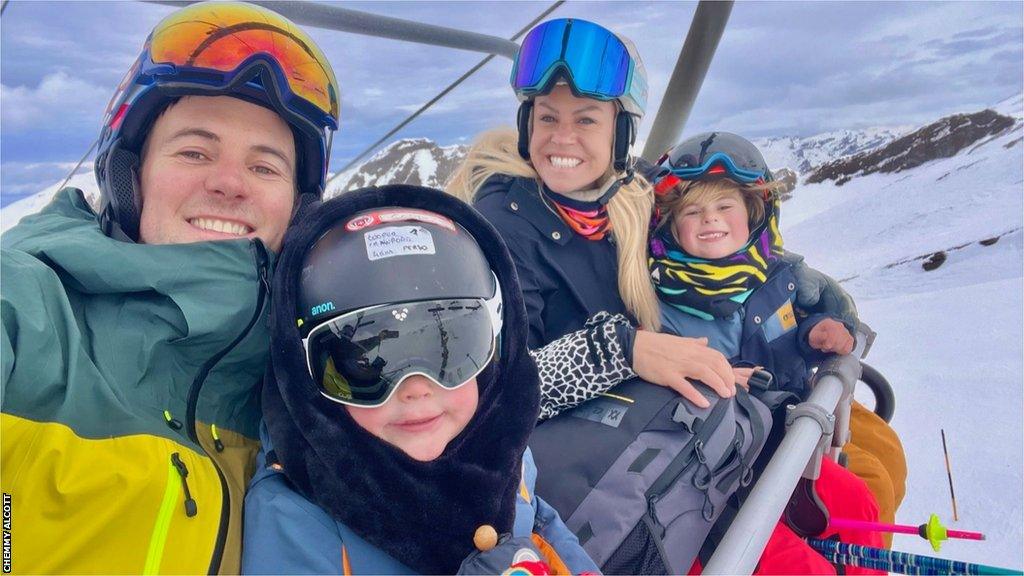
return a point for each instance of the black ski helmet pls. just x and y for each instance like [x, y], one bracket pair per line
[387, 256]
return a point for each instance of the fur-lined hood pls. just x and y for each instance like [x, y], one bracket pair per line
[422, 513]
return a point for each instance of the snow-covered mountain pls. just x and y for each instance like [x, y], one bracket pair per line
[416, 161]
[802, 154]
[940, 139]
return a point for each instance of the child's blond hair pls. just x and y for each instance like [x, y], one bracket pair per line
[709, 190]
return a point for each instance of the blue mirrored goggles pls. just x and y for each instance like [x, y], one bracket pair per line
[719, 163]
[715, 153]
[595, 61]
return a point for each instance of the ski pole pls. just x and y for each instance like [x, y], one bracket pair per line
[933, 531]
[949, 473]
[902, 561]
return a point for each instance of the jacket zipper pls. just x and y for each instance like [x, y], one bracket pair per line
[191, 509]
[262, 264]
[155, 553]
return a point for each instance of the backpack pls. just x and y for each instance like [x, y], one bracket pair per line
[640, 474]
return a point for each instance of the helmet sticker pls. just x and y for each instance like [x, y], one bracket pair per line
[398, 215]
[398, 241]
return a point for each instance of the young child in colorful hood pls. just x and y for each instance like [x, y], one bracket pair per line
[399, 400]
[715, 266]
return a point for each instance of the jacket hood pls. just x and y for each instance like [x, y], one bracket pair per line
[424, 514]
[195, 300]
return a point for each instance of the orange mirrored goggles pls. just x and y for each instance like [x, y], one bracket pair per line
[213, 42]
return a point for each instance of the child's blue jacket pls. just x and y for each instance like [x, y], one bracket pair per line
[287, 534]
[772, 335]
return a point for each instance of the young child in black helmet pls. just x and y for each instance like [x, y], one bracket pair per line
[399, 400]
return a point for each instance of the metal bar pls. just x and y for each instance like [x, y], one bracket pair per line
[694, 60]
[442, 94]
[347, 20]
[79, 165]
[741, 548]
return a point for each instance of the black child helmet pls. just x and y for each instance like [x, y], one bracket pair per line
[392, 292]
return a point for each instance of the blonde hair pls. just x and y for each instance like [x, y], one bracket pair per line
[629, 212]
[709, 190]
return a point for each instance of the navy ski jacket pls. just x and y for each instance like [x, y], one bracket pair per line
[565, 277]
[773, 335]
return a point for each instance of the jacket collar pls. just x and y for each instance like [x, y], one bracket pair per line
[525, 200]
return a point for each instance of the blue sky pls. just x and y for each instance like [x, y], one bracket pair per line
[782, 68]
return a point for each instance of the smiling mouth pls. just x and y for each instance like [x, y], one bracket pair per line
[418, 424]
[221, 226]
[712, 235]
[564, 161]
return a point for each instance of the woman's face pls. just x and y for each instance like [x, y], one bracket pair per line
[571, 140]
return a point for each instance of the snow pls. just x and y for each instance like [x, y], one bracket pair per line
[950, 340]
[426, 164]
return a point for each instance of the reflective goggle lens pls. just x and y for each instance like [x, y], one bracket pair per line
[362, 357]
[597, 60]
[732, 155]
[222, 36]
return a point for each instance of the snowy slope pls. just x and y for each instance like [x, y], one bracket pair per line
[950, 340]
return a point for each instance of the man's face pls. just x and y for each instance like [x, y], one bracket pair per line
[217, 168]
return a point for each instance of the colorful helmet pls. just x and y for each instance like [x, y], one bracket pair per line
[594, 62]
[392, 292]
[722, 153]
[216, 49]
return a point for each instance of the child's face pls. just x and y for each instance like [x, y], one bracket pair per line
[421, 418]
[713, 229]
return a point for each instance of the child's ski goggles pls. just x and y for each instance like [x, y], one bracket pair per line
[362, 357]
[217, 44]
[714, 153]
[596, 62]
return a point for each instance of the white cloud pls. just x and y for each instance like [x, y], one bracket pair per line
[51, 103]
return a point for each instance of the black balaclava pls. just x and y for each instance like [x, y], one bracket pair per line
[423, 514]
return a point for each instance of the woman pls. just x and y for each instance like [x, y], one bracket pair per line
[564, 194]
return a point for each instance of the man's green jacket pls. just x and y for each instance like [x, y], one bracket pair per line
[130, 378]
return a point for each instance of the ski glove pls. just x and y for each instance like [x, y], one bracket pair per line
[817, 293]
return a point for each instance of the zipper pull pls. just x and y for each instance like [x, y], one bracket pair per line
[216, 438]
[190, 505]
[172, 423]
[262, 263]
[652, 513]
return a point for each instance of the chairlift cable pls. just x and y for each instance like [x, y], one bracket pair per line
[442, 94]
[79, 165]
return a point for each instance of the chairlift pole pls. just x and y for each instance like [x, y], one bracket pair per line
[332, 17]
[744, 542]
[694, 60]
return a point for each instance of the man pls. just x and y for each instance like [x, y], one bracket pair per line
[131, 347]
